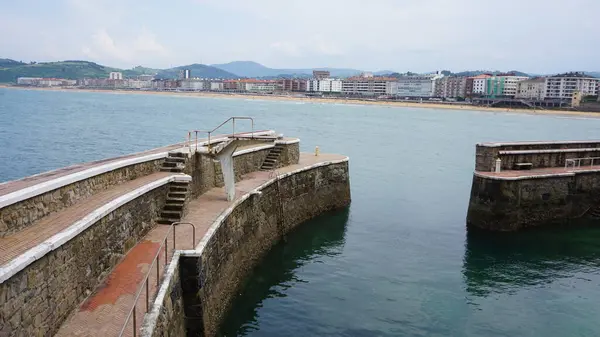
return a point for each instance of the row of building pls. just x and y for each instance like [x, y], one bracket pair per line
[562, 86]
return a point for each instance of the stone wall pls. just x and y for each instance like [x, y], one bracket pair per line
[22, 214]
[36, 300]
[235, 243]
[508, 205]
[486, 154]
[290, 155]
[257, 224]
[171, 320]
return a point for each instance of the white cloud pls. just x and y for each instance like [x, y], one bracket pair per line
[146, 42]
[104, 47]
[286, 48]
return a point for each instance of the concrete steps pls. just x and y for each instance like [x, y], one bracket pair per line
[173, 209]
[272, 159]
[175, 162]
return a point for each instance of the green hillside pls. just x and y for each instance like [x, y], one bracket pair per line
[8, 63]
[9, 71]
[198, 70]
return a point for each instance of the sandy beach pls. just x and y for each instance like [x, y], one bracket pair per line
[427, 105]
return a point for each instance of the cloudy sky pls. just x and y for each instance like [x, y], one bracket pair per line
[539, 36]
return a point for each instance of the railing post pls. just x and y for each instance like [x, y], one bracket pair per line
[148, 293]
[193, 236]
[174, 246]
[233, 129]
[134, 324]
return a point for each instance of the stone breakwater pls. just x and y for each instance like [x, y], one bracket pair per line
[558, 183]
[200, 284]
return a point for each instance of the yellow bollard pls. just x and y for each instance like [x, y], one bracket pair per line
[316, 150]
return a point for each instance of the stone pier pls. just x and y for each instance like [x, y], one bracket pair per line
[528, 184]
[78, 245]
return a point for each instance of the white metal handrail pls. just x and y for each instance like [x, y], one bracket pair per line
[577, 162]
[210, 132]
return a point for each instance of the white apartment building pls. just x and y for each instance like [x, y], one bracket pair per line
[368, 86]
[54, 82]
[563, 86]
[480, 84]
[216, 86]
[414, 86]
[115, 76]
[324, 85]
[510, 84]
[534, 88]
[28, 80]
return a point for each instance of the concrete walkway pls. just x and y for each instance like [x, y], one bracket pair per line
[104, 312]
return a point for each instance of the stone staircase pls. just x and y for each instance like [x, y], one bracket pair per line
[173, 209]
[270, 162]
[175, 162]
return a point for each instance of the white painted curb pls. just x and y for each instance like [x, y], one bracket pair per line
[57, 240]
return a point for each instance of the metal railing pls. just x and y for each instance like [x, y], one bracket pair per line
[210, 132]
[146, 283]
[577, 162]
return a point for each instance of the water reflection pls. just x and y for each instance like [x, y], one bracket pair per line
[507, 262]
[320, 237]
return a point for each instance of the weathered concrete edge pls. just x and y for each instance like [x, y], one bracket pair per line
[253, 149]
[149, 323]
[287, 142]
[537, 176]
[57, 240]
[265, 147]
[499, 144]
[47, 186]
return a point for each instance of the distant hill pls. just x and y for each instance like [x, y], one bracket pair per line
[10, 70]
[63, 69]
[198, 70]
[479, 72]
[253, 69]
[8, 63]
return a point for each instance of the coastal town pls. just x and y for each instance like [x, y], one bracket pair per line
[574, 90]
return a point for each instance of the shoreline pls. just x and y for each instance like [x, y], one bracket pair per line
[426, 105]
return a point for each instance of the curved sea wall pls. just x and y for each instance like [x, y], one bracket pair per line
[201, 284]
